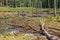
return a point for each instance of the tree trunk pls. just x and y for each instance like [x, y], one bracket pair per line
[41, 7]
[49, 37]
[55, 7]
[48, 6]
[14, 3]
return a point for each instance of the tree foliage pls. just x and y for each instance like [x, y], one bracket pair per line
[18, 3]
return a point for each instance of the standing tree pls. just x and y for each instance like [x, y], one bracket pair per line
[14, 3]
[41, 6]
[44, 3]
[49, 4]
[55, 7]
[29, 3]
[2, 3]
[5, 2]
[48, 7]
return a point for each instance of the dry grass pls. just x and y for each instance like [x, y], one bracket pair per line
[20, 36]
[14, 20]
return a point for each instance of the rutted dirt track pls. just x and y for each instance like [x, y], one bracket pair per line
[13, 20]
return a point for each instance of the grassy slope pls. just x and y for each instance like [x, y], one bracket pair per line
[17, 9]
[25, 8]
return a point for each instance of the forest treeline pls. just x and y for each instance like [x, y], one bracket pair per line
[30, 3]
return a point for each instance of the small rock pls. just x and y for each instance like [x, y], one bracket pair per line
[29, 34]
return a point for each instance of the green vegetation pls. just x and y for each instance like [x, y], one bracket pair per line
[25, 8]
[18, 3]
[17, 9]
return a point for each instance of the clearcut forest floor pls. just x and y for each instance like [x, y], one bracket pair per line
[15, 20]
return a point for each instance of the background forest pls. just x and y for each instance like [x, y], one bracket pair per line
[26, 3]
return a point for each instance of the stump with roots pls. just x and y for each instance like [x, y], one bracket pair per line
[44, 32]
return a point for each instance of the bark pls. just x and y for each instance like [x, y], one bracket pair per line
[49, 37]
